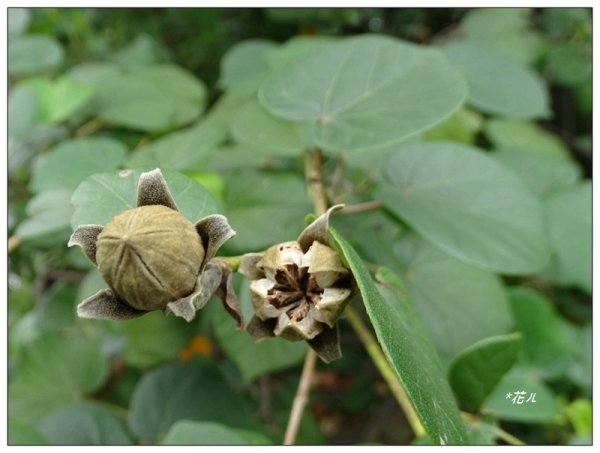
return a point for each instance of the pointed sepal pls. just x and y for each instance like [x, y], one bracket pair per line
[106, 305]
[153, 190]
[85, 236]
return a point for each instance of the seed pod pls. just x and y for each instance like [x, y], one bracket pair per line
[150, 256]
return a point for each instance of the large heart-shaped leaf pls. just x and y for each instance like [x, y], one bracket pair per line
[468, 205]
[365, 92]
[443, 289]
[408, 348]
[244, 67]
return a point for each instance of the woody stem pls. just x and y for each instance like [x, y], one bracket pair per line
[316, 192]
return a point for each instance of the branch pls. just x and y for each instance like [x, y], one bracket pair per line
[316, 192]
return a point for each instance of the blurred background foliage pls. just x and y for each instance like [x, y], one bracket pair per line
[98, 90]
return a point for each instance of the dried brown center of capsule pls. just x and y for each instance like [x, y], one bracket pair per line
[294, 289]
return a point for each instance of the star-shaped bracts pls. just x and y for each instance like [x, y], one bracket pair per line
[299, 290]
[153, 258]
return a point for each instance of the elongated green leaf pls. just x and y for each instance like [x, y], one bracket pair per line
[182, 392]
[254, 358]
[468, 205]
[569, 217]
[54, 370]
[71, 161]
[257, 128]
[102, 196]
[408, 348]
[33, 54]
[209, 433]
[443, 289]
[506, 404]
[499, 85]
[477, 370]
[365, 92]
[187, 149]
[84, 423]
[244, 68]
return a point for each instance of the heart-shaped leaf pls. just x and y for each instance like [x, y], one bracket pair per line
[365, 92]
[468, 205]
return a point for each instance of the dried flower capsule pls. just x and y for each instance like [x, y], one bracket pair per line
[299, 290]
[153, 258]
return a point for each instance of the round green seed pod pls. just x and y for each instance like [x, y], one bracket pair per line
[150, 256]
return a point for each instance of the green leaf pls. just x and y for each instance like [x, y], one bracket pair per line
[150, 99]
[296, 48]
[182, 392]
[443, 289]
[543, 173]
[52, 371]
[22, 433]
[143, 50]
[73, 160]
[143, 350]
[506, 30]
[569, 218]
[256, 128]
[545, 343]
[523, 135]
[475, 372]
[33, 54]
[520, 379]
[254, 359]
[186, 150]
[57, 308]
[18, 20]
[408, 348]
[60, 99]
[102, 196]
[48, 212]
[84, 423]
[468, 205]
[244, 68]
[570, 63]
[23, 107]
[255, 199]
[499, 85]
[361, 93]
[187, 432]
[579, 413]
[462, 127]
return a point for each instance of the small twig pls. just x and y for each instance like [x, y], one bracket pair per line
[361, 207]
[89, 128]
[385, 369]
[301, 398]
[506, 437]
